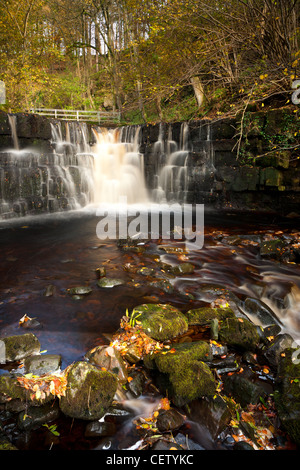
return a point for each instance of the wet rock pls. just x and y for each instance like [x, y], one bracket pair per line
[10, 389]
[273, 352]
[287, 393]
[14, 348]
[42, 364]
[164, 445]
[189, 376]
[133, 354]
[272, 249]
[169, 420]
[239, 333]
[90, 392]
[146, 271]
[161, 321]
[111, 359]
[204, 315]
[99, 429]
[163, 284]
[36, 416]
[187, 443]
[105, 282]
[243, 388]
[172, 249]
[101, 272]
[49, 291]
[260, 311]
[136, 385]
[80, 290]
[195, 382]
[5, 444]
[183, 268]
[242, 445]
[213, 413]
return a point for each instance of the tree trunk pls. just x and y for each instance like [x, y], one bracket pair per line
[198, 90]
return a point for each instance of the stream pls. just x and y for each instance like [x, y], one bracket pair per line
[42, 257]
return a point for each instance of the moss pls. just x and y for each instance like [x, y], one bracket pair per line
[184, 354]
[193, 382]
[20, 346]
[10, 389]
[287, 393]
[204, 315]
[188, 375]
[161, 321]
[239, 333]
[90, 392]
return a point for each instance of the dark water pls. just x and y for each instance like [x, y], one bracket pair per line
[64, 252]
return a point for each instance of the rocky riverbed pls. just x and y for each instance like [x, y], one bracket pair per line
[217, 369]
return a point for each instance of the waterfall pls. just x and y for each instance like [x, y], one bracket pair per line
[172, 177]
[34, 182]
[119, 166]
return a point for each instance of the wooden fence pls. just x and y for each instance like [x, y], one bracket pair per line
[78, 115]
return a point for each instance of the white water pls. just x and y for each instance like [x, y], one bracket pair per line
[119, 169]
[172, 177]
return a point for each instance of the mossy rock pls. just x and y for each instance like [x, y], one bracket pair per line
[161, 321]
[90, 392]
[287, 393]
[204, 315]
[185, 371]
[169, 362]
[191, 383]
[10, 389]
[239, 333]
[80, 290]
[18, 347]
[107, 283]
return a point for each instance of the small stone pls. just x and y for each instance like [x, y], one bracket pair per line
[80, 290]
[108, 283]
[169, 420]
[36, 416]
[42, 364]
[100, 429]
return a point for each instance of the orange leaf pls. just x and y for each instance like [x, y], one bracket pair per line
[129, 379]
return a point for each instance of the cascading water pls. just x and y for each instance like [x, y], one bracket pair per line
[35, 182]
[172, 177]
[119, 167]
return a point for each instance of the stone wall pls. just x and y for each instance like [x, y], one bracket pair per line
[262, 178]
[37, 177]
[215, 175]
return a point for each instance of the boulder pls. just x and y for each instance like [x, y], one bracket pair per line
[90, 392]
[274, 350]
[239, 333]
[161, 321]
[204, 315]
[18, 347]
[109, 358]
[187, 373]
[42, 364]
[287, 393]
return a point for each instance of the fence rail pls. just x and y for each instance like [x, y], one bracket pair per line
[78, 115]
